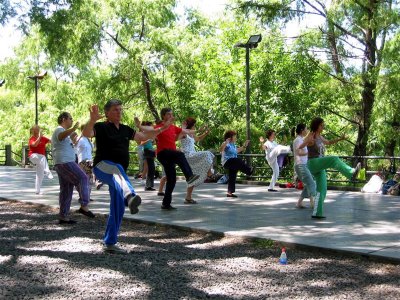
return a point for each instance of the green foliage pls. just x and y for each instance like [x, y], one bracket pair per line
[96, 50]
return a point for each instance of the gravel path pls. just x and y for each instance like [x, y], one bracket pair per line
[40, 259]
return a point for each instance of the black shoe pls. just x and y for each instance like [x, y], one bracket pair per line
[356, 171]
[318, 217]
[67, 222]
[192, 179]
[133, 203]
[272, 190]
[161, 194]
[88, 213]
[231, 195]
[149, 189]
[167, 207]
[99, 185]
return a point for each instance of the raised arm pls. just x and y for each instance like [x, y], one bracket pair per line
[240, 149]
[334, 141]
[94, 117]
[224, 144]
[66, 133]
[262, 141]
[201, 136]
[36, 143]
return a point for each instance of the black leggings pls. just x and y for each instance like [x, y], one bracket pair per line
[233, 165]
[169, 159]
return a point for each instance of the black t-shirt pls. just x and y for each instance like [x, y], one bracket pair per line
[112, 143]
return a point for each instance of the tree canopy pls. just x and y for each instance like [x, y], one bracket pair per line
[344, 69]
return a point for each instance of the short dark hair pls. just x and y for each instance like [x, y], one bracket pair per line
[164, 111]
[269, 132]
[147, 123]
[190, 122]
[110, 103]
[64, 115]
[315, 123]
[229, 134]
[300, 127]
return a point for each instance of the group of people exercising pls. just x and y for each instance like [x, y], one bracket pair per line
[111, 161]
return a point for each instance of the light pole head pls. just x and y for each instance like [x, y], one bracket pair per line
[251, 43]
[2, 82]
[41, 75]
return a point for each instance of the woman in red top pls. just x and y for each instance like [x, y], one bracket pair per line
[37, 155]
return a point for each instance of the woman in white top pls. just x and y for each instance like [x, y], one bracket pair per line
[300, 165]
[84, 149]
[272, 150]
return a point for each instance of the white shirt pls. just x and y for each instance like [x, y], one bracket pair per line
[269, 146]
[63, 151]
[299, 159]
[84, 149]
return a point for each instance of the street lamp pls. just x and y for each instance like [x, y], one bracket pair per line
[37, 77]
[2, 82]
[251, 44]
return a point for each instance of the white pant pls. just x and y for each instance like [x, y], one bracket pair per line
[42, 168]
[273, 162]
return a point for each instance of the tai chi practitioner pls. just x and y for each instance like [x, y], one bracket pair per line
[169, 157]
[69, 172]
[37, 156]
[318, 163]
[272, 150]
[111, 162]
[300, 165]
[231, 162]
[200, 161]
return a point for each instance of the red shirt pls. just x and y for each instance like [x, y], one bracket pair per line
[40, 148]
[167, 138]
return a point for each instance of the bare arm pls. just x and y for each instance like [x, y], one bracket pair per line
[94, 117]
[331, 142]
[240, 149]
[66, 133]
[224, 144]
[36, 143]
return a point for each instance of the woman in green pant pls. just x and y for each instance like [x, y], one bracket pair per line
[318, 163]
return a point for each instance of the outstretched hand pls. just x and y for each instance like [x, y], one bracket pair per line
[262, 140]
[94, 113]
[137, 122]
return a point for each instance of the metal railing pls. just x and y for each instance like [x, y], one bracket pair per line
[373, 164]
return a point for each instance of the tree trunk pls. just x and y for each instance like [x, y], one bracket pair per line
[146, 86]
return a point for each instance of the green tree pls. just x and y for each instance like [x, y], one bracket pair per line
[352, 29]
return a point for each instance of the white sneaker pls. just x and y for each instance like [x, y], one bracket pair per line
[311, 202]
[50, 176]
[114, 249]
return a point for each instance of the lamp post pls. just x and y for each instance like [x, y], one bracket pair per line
[36, 78]
[2, 82]
[251, 44]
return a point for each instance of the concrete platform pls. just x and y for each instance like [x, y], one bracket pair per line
[366, 224]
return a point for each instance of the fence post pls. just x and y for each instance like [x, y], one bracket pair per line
[8, 161]
[24, 156]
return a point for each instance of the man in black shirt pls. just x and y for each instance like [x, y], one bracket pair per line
[111, 162]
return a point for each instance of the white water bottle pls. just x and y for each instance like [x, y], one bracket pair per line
[283, 257]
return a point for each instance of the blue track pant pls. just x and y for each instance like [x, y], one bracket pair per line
[119, 188]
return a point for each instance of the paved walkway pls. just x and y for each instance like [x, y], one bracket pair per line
[367, 224]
